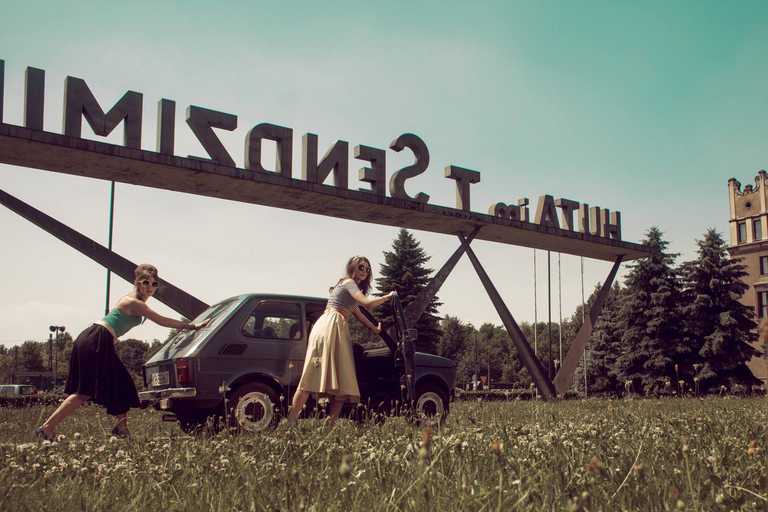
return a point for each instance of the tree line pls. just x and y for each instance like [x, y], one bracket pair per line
[666, 329]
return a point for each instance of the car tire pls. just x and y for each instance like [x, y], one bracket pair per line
[430, 404]
[253, 407]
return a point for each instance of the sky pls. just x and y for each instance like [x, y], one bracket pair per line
[647, 108]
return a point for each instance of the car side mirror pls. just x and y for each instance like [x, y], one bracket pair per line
[413, 334]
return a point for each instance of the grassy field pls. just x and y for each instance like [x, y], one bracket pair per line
[681, 454]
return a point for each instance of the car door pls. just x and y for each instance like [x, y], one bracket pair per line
[405, 355]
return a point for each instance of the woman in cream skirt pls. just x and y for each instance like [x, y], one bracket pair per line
[329, 365]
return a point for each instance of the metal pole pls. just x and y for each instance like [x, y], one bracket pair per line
[109, 243]
[549, 311]
[50, 352]
[583, 307]
[560, 305]
[535, 309]
[56, 365]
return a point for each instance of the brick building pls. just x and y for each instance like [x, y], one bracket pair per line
[749, 241]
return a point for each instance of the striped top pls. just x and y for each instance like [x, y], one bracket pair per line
[341, 297]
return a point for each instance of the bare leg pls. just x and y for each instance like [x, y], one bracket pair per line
[334, 412]
[67, 407]
[299, 399]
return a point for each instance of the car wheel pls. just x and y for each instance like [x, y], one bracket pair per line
[253, 407]
[431, 403]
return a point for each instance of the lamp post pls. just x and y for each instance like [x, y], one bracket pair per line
[56, 329]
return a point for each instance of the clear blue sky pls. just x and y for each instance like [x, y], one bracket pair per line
[643, 107]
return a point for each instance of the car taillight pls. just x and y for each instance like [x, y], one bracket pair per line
[183, 371]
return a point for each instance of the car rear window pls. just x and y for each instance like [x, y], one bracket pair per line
[279, 320]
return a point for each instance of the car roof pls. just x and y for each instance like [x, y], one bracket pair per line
[275, 296]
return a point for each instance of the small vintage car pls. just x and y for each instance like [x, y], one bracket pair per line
[17, 389]
[244, 366]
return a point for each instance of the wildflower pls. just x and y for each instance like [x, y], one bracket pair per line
[426, 438]
[639, 469]
[596, 466]
[496, 448]
[345, 469]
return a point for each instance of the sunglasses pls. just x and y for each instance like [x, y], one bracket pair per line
[153, 284]
[363, 268]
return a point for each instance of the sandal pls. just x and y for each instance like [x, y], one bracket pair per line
[119, 433]
[41, 433]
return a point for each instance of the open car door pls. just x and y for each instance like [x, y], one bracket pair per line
[405, 355]
[402, 349]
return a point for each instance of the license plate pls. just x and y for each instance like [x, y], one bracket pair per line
[160, 379]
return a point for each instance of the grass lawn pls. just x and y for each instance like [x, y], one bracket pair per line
[673, 454]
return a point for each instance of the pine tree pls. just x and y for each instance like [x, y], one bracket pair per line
[603, 345]
[652, 342]
[403, 271]
[719, 328]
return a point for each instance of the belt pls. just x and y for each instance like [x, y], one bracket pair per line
[341, 311]
[107, 327]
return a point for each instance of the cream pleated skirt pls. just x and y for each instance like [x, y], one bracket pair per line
[329, 366]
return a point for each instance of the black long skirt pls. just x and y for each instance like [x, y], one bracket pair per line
[96, 371]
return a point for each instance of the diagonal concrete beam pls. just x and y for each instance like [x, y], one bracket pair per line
[564, 376]
[531, 362]
[170, 295]
[417, 307]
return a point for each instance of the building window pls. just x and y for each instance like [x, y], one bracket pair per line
[763, 265]
[757, 229]
[762, 304]
[742, 232]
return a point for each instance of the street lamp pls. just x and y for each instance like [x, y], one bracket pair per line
[56, 329]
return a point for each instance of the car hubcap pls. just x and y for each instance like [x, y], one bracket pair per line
[430, 405]
[254, 412]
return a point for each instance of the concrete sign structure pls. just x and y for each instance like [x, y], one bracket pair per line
[555, 224]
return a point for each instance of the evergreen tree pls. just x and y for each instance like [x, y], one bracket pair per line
[719, 328]
[652, 342]
[403, 271]
[603, 346]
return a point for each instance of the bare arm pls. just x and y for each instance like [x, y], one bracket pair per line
[134, 307]
[371, 303]
[376, 329]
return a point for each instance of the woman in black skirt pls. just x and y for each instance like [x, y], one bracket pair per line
[95, 371]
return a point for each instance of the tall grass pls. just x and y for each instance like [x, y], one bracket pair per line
[575, 455]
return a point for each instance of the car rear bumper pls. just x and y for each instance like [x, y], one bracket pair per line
[148, 396]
